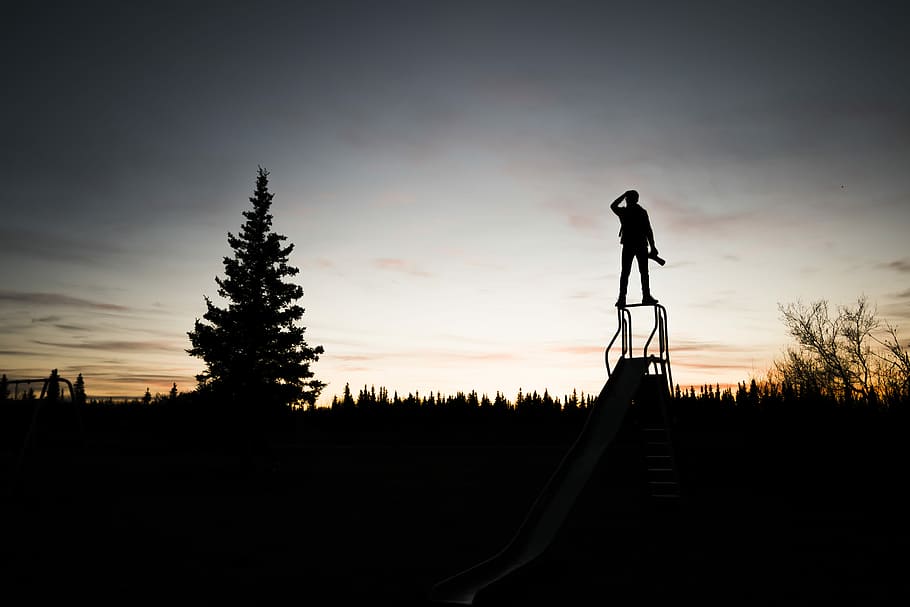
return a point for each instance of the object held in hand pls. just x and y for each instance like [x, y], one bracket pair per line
[660, 260]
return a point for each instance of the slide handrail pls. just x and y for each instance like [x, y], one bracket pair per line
[661, 360]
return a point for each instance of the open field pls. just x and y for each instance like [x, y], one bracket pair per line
[377, 514]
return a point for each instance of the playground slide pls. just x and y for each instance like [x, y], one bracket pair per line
[556, 499]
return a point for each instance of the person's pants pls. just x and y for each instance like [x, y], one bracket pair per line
[628, 253]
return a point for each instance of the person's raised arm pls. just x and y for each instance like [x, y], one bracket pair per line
[615, 205]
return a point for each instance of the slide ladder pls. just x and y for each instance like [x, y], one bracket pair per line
[663, 478]
[660, 461]
[642, 379]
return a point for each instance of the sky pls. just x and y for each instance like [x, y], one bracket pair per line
[445, 171]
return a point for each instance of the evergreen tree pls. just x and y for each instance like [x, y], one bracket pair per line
[255, 347]
[173, 392]
[79, 390]
[4, 387]
[53, 387]
[147, 397]
[347, 401]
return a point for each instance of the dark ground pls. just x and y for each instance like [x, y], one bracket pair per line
[378, 513]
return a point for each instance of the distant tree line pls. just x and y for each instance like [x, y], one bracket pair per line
[377, 399]
[756, 394]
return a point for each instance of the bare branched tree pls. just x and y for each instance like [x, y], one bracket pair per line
[893, 364]
[848, 354]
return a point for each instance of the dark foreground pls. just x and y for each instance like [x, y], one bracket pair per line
[375, 515]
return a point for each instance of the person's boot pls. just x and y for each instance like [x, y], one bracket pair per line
[621, 301]
[646, 298]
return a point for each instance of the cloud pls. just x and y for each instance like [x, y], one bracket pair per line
[899, 265]
[57, 248]
[400, 265]
[72, 328]
[322, 262]
[899, 307]
[679, 217]
[582, 350]
[676, 346]
[144, 378]
[489, 356]
[694, 345]
[582, 295]
[47, 319]
[429, 355]
[899, 311]
[353, 357]
[57, 299]
[708, 366]
[580, 219]
[113, 346]
[19, 353]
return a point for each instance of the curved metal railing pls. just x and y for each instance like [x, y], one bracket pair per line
[660, 360]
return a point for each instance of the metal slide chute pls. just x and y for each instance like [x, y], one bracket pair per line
[558, 497]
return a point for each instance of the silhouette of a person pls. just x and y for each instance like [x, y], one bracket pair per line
[635, 236]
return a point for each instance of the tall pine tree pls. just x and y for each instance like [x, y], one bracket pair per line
[79, 390]
[254, 349]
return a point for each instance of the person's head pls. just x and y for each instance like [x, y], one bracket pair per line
[632, 197]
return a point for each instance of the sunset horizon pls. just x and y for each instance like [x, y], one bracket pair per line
[445, 173]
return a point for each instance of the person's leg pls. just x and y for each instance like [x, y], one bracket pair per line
[627, 254]
[642, 255]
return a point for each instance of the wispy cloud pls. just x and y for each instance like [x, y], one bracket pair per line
[577, 217]
[143, 378]
[424, 355]
[322, 262]
[19, 353]
[680, 217]
[72, 328]
[581, 295]
[898, 308]
[58, 299]
[708, 365]
[899, 265]
[354, 357]
[113, 346]
[400, 265]
[28, 244]
[581, 350]
[694, 345]
[486, 356]
[899, 311]
[47, 319]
